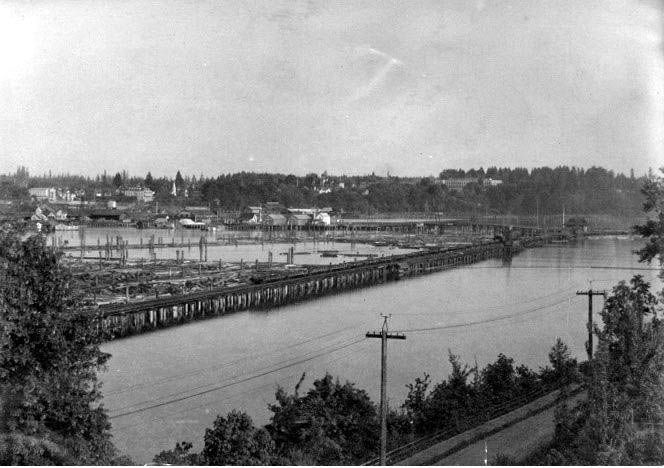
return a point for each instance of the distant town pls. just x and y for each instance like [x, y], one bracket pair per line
[63, 202]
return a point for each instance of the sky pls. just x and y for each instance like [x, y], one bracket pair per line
[349, 87]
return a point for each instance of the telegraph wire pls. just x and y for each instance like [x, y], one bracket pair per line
[260, 369]
[230, 397]
[500, 307]
[147, 383]
[220, 387]
[198, 387]
[553, 267]
[479, 322]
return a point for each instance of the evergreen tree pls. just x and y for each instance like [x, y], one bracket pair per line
[117, 180]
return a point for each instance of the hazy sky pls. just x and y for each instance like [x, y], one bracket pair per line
[409, 87]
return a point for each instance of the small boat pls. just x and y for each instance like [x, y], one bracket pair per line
[329, 253]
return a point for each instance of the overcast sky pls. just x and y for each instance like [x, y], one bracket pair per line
[409, 87]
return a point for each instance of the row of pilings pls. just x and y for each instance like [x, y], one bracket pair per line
[133, 318]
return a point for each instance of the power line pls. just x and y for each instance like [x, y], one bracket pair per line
[500, 307]
[146, 383]
[479, 322]
[220, 387]
[181, 392]
[553, 267]
[243, 393]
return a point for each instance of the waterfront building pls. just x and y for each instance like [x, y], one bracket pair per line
[298, 220]
[251, 215]
[162, 223]
[322, 218]
[275, 220]
[188, 223]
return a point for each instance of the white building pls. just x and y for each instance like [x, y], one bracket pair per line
[322, 218]
[492, 182]
[142, 194]
[43, 193]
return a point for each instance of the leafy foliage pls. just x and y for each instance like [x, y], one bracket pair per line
[469, 394]
[653, 230]
[49, 358]
[180, 455]
[334, 423]
[620, 423]
[234, 440]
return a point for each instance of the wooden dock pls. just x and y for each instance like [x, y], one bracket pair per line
[119, 320]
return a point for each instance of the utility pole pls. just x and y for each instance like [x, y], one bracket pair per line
[384, 336]
[590, 293]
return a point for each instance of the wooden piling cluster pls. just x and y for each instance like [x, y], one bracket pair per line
[121, 320]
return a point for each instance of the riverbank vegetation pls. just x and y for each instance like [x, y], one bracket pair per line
[336, 423]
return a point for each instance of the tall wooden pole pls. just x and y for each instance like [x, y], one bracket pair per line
[590, 293]
[384, 336]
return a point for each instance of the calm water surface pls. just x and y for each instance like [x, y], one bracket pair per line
[307, 248]
[184, 376]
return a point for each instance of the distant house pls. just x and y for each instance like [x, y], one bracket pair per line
[187, 223]
[141, 194]
[459, 184]
[307, 211]
[106, 215]
[489, 182]
[298, 220]
[275, 220]
[251, 215]
[162, 223]
[43, 193]
[322, 218]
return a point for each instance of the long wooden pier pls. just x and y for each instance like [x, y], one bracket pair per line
[121, 320]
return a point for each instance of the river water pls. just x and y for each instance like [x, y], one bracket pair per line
[236, 245]
[168, 386]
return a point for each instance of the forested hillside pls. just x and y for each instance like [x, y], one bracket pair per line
[521, 191]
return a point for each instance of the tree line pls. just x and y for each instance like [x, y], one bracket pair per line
[542, 190]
